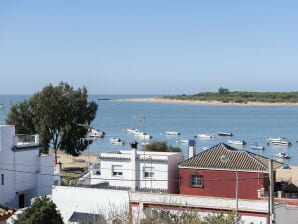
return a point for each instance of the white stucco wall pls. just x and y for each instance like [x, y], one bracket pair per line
[89, 200]
[107, 173]
[173, 174]
[286, 214]
[45, 176]
[164, 166]
[27, 168]
[160, 179]
[23, 169]
[182, 202]
[7, 191]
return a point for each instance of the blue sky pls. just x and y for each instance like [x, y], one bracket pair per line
[149, 47]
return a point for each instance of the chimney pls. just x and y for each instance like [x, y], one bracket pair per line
[191, 148]
[133, 167]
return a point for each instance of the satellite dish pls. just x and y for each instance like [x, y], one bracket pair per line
[224, 159]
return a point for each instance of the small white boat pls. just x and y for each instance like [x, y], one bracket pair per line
[283, 155]
[205, 136]
[275, 139]
[142, 135]
[236, 142]
[225, 133]
[184, 141]
[257, 147]
[281, 142]
[172, 133]
[116, 141]
[95, 133]
[131, 130]
[145, 143]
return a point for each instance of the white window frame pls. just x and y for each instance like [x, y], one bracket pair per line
[148, 172]
[117, 170]
[196, 181]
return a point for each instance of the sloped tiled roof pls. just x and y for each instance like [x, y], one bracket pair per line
[240, 159]
[5, 212]
[85, 217]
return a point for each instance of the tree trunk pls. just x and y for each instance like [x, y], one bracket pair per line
[55, 151]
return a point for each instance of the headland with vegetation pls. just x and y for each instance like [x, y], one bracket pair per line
[225, 96]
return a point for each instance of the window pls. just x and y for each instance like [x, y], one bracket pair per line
[148, 172]
[2, 179]
[196, 180]
[117, 170]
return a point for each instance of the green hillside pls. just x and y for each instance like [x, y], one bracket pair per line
[225, 96]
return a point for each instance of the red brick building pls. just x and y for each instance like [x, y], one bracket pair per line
[215, 171]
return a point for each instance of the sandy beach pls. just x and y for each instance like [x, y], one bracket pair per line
[196, 102]
[81, 161]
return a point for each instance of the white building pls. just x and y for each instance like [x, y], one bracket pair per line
[107, 202]
[24, 172]
[113, 204]
[137, 170]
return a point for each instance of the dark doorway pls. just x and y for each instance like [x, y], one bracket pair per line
[21, 201]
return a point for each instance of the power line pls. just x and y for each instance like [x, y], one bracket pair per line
[121, 179]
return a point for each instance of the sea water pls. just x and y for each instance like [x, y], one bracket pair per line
[252, 124]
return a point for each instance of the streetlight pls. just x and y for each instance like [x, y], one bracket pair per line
[225, 159]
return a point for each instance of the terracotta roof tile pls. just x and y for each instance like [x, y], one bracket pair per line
[5, 212]
[240, 159]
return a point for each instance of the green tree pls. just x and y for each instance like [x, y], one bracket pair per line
[42, 211]
[222, 90]
[161, 147]
[57, 114]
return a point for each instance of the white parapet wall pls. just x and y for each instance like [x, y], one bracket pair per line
[253, 211]
[90, 200]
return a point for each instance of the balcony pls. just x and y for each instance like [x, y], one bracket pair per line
[26, 140]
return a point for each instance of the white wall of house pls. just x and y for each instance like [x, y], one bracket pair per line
[26, 168]
[142, 205]
[89, 200]
[286, 214]
[111, 203]
[173, 176]
[149, 171]
[7, 186]
[25, 173]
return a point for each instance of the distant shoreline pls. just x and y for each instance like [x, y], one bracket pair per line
[196, 102]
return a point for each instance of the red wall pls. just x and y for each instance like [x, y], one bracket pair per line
[219, 183]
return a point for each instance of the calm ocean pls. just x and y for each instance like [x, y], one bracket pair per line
[249, 123]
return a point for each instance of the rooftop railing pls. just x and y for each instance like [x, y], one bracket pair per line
[27, 140]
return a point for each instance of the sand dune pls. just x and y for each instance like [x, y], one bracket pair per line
[196, 102]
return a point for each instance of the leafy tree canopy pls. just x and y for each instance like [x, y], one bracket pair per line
[42, 211]
[222, 90]
[161, 147]
[58, 114]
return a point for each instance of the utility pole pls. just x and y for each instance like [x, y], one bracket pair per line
[271, 192]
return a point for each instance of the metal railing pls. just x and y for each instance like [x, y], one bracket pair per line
[22, 139]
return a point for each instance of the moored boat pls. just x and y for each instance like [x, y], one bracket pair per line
[205, 135]
[143, 135]
[257, 147]
[281, 142]
[184, 141]
[172, 133]
[95, 133]
[225, 133]
[116, 141]
[237, 142]
[283, 155]
[274, 139]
